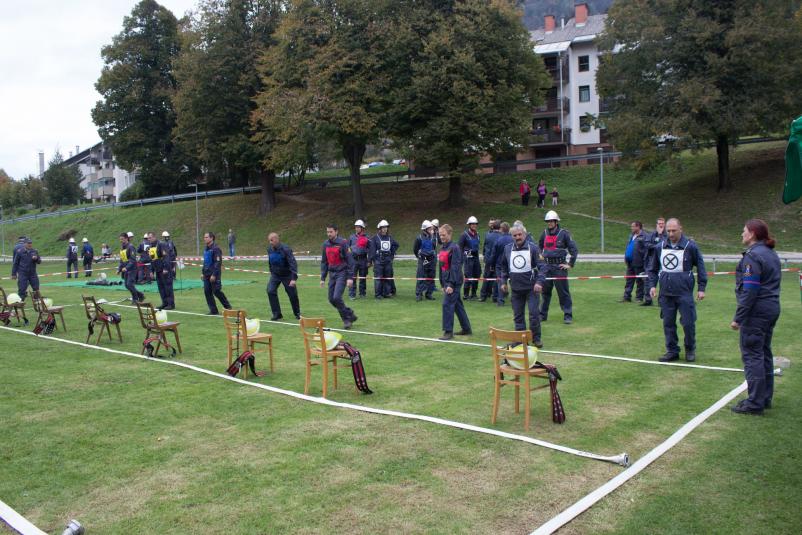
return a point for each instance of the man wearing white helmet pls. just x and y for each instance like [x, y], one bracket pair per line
[489, 288]
[469, 245]
[143, 265]
[424, 251]
[88, 256]
[436, 227]
[163, 267]
[127, 267]
[172, 252]
[556, 244]
[24, 268]
[381, 254]
[72, 259]
[359, 244]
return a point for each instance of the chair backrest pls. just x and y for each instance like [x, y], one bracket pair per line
[312, 330]
[39, 304]
[234, 321]
[147, 315]
[500, 342]
[3, 298]
[91, 307]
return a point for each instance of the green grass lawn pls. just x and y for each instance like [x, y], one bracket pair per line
[130, 446]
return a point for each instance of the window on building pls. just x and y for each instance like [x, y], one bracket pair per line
[584, 123]
[584, 63]
[584, 93]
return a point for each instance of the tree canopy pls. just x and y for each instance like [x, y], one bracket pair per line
[62, 182]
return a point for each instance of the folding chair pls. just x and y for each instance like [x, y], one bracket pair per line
[513, 359]
[96, 315]
[317, 354]
[238, 339]
[14, 309]
[155, 331]
[43, 310]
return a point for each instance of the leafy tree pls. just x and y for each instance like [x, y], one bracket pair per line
[33, 191]
[4, 178]
[699, 71]
[136, 116]
[62, 182]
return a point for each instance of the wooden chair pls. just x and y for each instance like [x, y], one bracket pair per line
[147, 317]
[237, 337]
[96, 315]
[15, 309]
[317, 354]
[503, 356]
[43, 310]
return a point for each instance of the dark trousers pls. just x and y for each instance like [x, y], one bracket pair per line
[142, 272]
[361, 268]
[452, 304]
[489, 286]
[563, 293]
[337, 283]
[669, 305]
[165, 283]
[541, 200]
[520, 300]
[472, 269]
[272, 294]
[756, 332]
[382, 285]
[525, 199]
[426, 269]
[130, 284]
[212, 290]
[24, 280]
[72, 268]
[88, 267]
[631, 281]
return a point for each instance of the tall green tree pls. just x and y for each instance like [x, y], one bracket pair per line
[700, 70]
[62, 182]
[466, 79]
[136, 115]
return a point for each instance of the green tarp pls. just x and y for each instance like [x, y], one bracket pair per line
[178, 285]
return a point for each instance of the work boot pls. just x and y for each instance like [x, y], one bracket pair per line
[346, 324]
[538, 344]
[482, 299]
[463, 332]
[277, 317]
[448, 335]
[690, 356]
[430, 298]
[668, 357]
[743, 408]
[418, 298]
[646, 304]
[568, 321]
[298, 316]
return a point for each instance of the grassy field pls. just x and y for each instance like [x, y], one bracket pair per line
[130, 446]
[687, 191]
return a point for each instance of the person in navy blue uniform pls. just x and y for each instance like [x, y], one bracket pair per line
[338, 263]
[450, 258]
[24, 268]
[88, 256]
[472, 267]
[171, 260]
[283, 271]
[144, 265]
[672, 266]
[489, 288]
[359, 244]
[522, 269]
[381, 254]
[424, 250]
[502, 241]
[72, 259]
[634, 258]
[757, 290]
[127, 267]
[20, 245]
[556, 244]
[212, 275]
[652, 242]
[162, 261]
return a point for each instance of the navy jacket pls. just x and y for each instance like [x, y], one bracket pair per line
[490, 243]
[72, 253]
[681, 281]
[359, 245]
[25, 261]
[498, 250]
[212, 261]
[757, 278]
[282, 262]
[652, 242]
[127, 258]
[525, 271]
[469, 244]
[450, 258]
[382, 249]
[638, 250]
[87, 252]
[425, 246]
[556, 245]
[336, 257]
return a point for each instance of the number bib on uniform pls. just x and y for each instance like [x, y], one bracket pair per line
[671, 260]
[520, 261]
[385, 245]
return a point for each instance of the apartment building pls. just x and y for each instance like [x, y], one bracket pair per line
[103, 180]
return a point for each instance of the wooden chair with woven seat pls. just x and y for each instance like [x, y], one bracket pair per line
[147, 317]
[512, 357]
[318, 355]
[40, 306]
[96, 315]
[15, 309]
[237, 337]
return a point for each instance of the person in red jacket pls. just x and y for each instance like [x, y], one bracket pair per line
[525, 190]
[451, 279]
[338, 264]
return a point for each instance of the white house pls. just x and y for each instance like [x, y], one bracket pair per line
[102, 179]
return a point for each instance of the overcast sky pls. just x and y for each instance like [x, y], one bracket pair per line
[49, 63]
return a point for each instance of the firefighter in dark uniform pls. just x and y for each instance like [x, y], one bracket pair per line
[161, 254]
[359, 244]
[757, 289]
[502, 241]
[450, 258]
[381, 254]
[672, 266]
[127, 267]
[72, 259]
[652, 242]
[489, 288]
[212, 274]
[522, 268]
[337, 262]
[144, 264]
[283, 270]
[20, 245]
[556, 244]
[24, 267]
[634, 258]
[171, 260]
[88, 256]
[472, 267]
[424, 250]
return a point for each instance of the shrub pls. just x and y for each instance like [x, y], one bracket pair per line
[67, 234]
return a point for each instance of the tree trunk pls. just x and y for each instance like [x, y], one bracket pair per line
[455, 198]
[723, 152]
[353, 153]
[267, 202]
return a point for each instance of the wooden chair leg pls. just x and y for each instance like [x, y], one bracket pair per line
[326, 376]
[178, 341]
[270, 349]
[496, 395]
[334, 365]
[61, 315]
[308, 377]
[517, 394]
[527, 402]
[100, 333]
[119, 334]
[108, 329]
[88, 336]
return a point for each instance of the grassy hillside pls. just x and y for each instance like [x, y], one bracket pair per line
[686, 191]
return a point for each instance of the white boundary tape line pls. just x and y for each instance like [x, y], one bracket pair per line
[17, 522]
[622, 459]
[591, 499]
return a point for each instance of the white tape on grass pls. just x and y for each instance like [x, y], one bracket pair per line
[621, 459]
[17, 522]
[591, 499]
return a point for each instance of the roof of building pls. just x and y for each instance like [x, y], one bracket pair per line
[570, 33]
[81, 156]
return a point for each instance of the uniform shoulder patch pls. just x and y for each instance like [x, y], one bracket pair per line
[748, 269]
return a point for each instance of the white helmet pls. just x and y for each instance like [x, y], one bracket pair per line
[436, 222]
[85, 240]
[146, 235]
[130, 234]
[359, 223]
[72, 240]
[103, 276]
[383, 223]
[165, 234]
[13, 298]
[426, 224]
[472, 220]
[551, 215]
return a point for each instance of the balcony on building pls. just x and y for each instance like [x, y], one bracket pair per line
[552, 107]
[549, 136]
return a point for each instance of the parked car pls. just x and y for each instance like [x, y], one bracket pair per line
[375, 164]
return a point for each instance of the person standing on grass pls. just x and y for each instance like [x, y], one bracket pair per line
[424, 250]
[541, 194]
[232, 239]
[555, 195]
[283, 270]
[381, 253]
[652, 243]
[634, 255]
[502, 241]
[359, 244]
[88, 256]
[489, 288]
[757, 290]
[338, 264]
[127, 267]
[672, 266]
[23, 270]
[525, 190]
[451, 279]
[469, 244]
[212, 275]
[557, 244]
[163, 267]
[72, 259]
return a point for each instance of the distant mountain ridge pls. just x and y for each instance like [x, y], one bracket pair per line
[535, 10]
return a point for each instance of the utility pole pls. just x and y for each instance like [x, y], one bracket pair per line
[601, 195]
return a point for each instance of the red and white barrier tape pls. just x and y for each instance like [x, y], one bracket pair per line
[66, 273]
